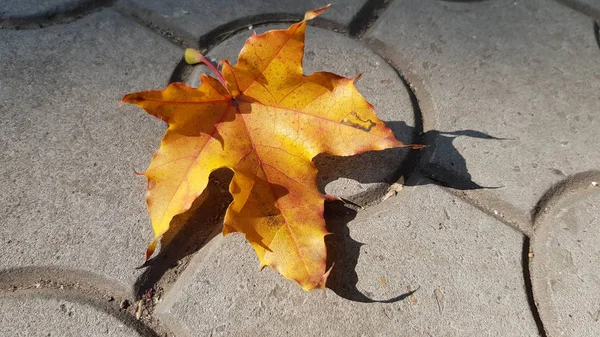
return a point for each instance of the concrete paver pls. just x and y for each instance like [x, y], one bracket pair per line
[69, 194]
[465, 266]
[198, 19]
[565, 269]
[522, 70]
[421, 263]
[34, 316]
[360, 178]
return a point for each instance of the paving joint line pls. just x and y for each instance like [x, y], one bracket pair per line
[491, 205]
[525, 262]
[597, 33]
[54, 17]
[582, 8]
[78, 286]
[366, 17]
[151, 20]
[162, 311]
[559, 197]
[563, 189]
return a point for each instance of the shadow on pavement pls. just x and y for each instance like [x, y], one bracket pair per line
[191, 230]
[187, 234]
[343, 251]
[342, 255]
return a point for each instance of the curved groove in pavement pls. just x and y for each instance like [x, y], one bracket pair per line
[469, 191]
[556, 198]
[54, 17]
[209, 40]
[526, 262]
[75, 286]
[572, 184]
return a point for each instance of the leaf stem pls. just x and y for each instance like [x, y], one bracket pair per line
[193, 56]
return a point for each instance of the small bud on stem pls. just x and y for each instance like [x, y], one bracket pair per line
[193, 56]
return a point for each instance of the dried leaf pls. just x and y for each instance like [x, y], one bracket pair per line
[266, 121]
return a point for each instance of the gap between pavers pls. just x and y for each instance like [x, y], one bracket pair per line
[590, 8]
[564, 269]
[465, 267]
[27, 14]
[524, 71]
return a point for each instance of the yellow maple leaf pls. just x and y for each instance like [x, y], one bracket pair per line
[266, 121]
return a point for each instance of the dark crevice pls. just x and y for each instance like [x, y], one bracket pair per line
[564, 187]
[156, 23]
[582, 8]
[597, 33]
[366, 16]
[529, 289]
[413, 157]
[63, 15]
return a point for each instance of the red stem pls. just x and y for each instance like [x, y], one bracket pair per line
[216, 71]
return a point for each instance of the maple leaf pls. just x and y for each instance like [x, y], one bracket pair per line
[266, 121]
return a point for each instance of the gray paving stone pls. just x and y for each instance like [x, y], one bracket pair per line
[69, 196]
[28, 8]
[359, 178]
[199, 18]
[565, 270]
[523, 70]
[465, 266]
[30, 316]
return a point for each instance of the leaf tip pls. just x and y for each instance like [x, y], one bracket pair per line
[314, 13]
[150, 249]
[331, 197]
[321, 284]
[416, 146]
[139, 174]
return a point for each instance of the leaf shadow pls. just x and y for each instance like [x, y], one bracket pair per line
[453, 175]
[191, 230]
[343, 251]
[188, 232]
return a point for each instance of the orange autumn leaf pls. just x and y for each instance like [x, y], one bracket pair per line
[266, 121]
